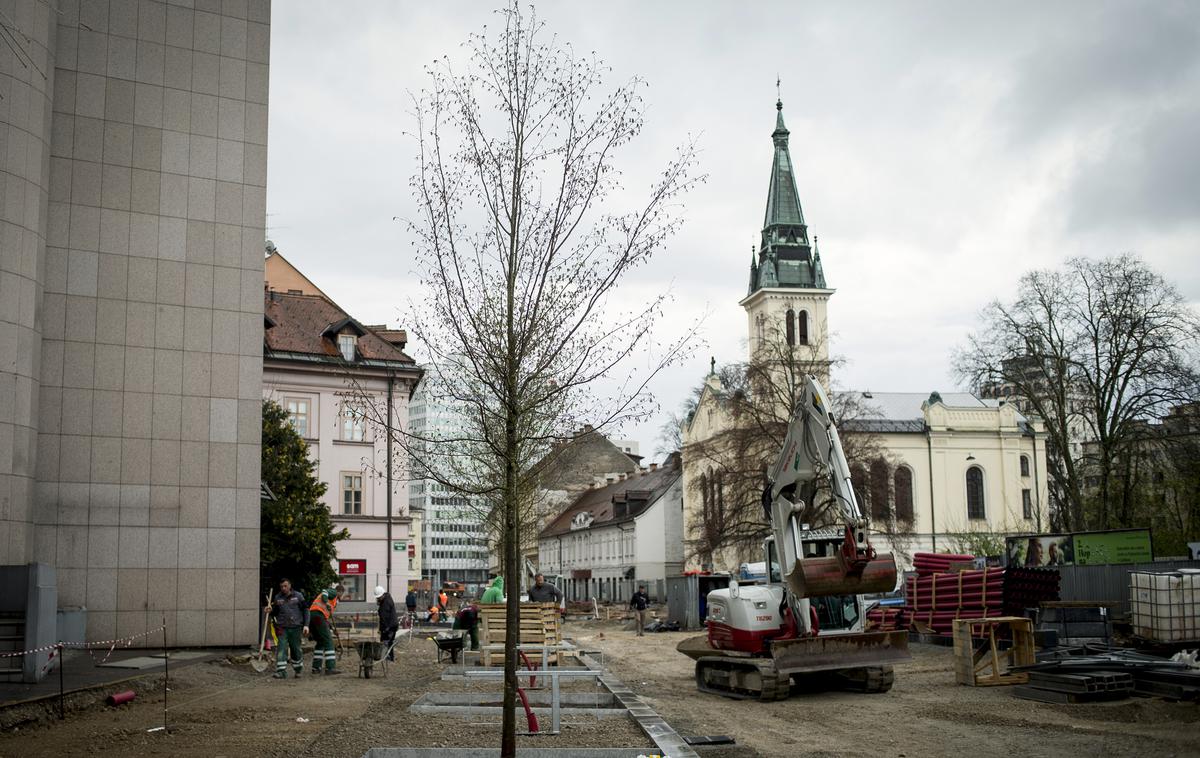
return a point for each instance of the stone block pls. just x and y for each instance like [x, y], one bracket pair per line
[110, 324]
[164, 462]
[167, 414]
[103, 542]
[131, 589]
[172, 239]
[168, 372]
[220, 548]
[102, 586]
[222, 464]
[148, 105]
[135, 460]
[151, 62]
[193, 547]
[114, 232]
[197, 377]
[193, 507]
[165, 505]
[163, 586]
[193, 465]
[223, 420]
[108, 414]
[106, 460]
[137, 414]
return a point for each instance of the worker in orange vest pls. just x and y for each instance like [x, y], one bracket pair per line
[443, 599]
[320, 625]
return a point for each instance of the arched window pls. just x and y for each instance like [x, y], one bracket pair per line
[858, 480]
[879, 490]
[975, 506]
[802, 328]
[902, 480]
[790, 326]
[1024, 465]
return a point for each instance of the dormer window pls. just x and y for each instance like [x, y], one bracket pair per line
[346, 344]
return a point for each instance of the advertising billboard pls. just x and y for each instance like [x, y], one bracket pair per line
[1080, 548]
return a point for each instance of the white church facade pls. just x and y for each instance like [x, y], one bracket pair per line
[948, 463]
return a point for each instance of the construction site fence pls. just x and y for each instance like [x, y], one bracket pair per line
[1110, 584]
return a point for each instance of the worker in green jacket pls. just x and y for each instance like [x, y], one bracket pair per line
[495, 592]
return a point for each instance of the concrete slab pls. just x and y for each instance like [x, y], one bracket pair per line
[140, 662]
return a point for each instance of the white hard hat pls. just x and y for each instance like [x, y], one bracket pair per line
[379, 592]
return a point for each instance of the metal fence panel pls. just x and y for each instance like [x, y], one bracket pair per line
[1110, 583]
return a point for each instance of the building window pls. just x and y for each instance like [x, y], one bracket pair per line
[346, 344]
[802, 328]
[356, 588]
[352, 494]
[903, 482]
[1027, 503]
[975, 505]
[858, 480]
[297, 409]
[790, 326]
[354, 423]
[879, 490]
[1024, 465]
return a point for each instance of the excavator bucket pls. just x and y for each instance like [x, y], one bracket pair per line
[818, 577]
[840, 651]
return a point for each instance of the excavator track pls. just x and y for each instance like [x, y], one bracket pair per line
[742, 678]
[870, 679]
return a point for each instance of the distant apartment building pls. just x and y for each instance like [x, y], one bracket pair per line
[133, 167]
[618, 534]
[344, 384]
[453, 535]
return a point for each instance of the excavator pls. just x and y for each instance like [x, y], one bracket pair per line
[807, 622]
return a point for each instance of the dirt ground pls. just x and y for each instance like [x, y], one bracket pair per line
[218, 709]
[925, 714]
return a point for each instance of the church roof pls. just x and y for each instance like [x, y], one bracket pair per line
[785, 258]
[783, 201]
[902, 411]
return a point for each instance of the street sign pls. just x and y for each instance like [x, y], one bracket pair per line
[399, 546]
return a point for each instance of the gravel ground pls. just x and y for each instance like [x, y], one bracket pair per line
[925, 714]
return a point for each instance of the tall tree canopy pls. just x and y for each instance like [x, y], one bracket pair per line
[1096, 349]
[521, 252]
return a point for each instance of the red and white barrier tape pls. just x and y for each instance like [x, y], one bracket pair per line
[112, 644]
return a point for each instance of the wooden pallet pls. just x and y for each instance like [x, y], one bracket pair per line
[988, 665]
[540, 623]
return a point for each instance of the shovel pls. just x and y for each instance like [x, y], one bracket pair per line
[258, 663]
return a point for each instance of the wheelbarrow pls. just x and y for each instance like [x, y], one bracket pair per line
[449, 642]
[370, 652]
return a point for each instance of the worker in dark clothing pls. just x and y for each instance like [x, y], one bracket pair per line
[288, 612]
[639, 603]
[544, 592]
[468, 618]
[389, 622]
[410, 601]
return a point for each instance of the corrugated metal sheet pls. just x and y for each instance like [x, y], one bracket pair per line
[1110, 583]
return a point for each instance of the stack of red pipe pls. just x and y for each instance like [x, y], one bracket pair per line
[883, 619]
[937, 563]
[1028, 587]
[936, 600]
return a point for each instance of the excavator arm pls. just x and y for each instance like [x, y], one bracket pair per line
[811, 450]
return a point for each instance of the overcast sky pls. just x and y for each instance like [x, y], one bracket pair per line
[941, 150]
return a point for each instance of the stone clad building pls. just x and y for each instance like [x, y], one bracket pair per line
[133, 163]
[951, 463]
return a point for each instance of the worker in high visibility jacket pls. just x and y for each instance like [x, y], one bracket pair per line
[320, 625]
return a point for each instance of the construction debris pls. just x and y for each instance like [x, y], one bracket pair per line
[1106, 674]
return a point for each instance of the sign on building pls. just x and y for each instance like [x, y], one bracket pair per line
[352, 567]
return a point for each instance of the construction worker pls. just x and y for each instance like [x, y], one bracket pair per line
[443, 601]
[389, 622]
[495, 591]
[320, 622]
[468, 618]
[639, 603]
[287, 611]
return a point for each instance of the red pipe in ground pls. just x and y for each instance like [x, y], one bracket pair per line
[530, 718]
[528, 665]
[118, 698]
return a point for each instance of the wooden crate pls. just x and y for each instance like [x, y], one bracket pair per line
[988, 665]
[540, 623]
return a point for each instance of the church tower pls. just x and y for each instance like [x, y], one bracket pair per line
[786, 304]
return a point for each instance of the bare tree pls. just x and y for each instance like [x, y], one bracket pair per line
[521, 255]
[1094, 350]
[757, 400]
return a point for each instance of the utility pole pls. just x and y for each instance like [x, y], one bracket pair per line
[391, 380]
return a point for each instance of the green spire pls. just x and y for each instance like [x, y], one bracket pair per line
[783, 202]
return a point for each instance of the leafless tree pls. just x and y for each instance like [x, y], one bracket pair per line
[757, 400]
[1093, 349]
[521, 253]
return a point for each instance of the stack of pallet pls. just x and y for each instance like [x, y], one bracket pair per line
[540, 624]
[1103, 673]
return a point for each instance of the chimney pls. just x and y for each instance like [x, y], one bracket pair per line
[610, 479]
[654, 467]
